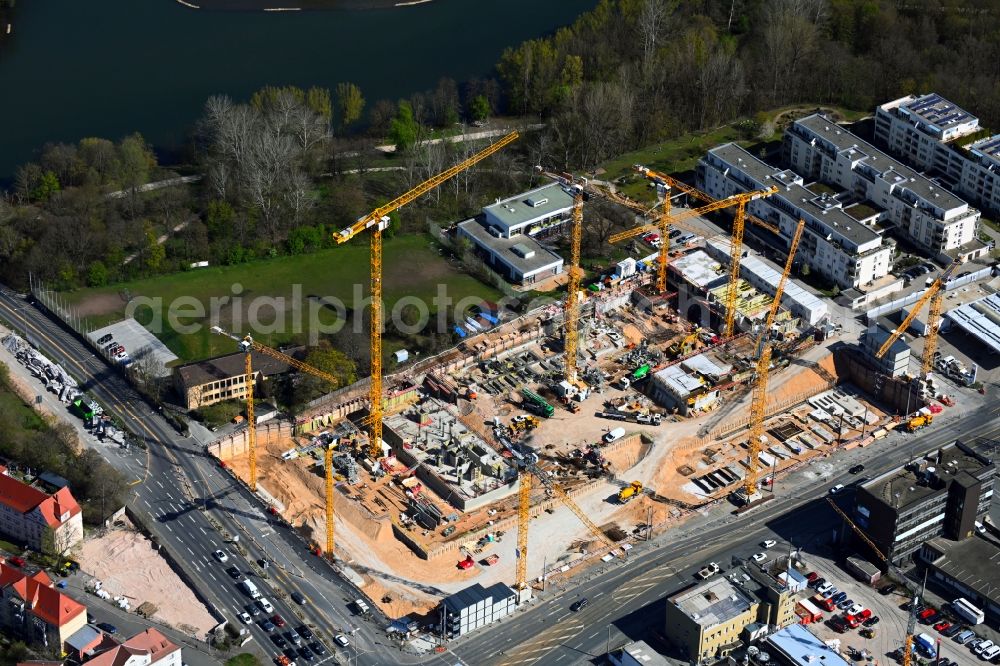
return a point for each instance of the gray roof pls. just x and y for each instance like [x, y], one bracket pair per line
[230, 365]
[901, 487]
[889, 169]
[505, 248]
[82, 637]
[937, 111]
[981, 319]
[974, 562]
[712, 602]
[642, 653]
[474, 594]
[827, 210]
[800, 647]
[737, 156]
[988, 147]
[519, 209]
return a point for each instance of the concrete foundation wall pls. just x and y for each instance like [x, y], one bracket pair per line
[893, 392]
[235, 445]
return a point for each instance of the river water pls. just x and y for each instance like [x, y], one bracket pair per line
[111, 67]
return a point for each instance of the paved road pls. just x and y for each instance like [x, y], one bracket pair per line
[187, 524]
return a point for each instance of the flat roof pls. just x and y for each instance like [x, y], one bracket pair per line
[712, 602]
[889, 169]
[700, 269]
[539, 202]
[980, 319]
[230, 365]
[642, 653]
[503, 248]
[740, 158]
[678, 380]
[902, 487]
[799, 646]
[935, 110]
[705, 366]
[794, 292]
[988, 147]
[974, 562]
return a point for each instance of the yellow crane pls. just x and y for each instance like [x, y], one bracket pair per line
[571, 317]
[911, 622]
[934, 295]
[376, 222]
[736, 243]
[673, 183]
[758, 400]
[249, 345]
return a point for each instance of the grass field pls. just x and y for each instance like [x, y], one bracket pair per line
[411, 267]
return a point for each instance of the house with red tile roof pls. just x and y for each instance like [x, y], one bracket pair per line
[33, 609]
[47, 523]
[143, 649]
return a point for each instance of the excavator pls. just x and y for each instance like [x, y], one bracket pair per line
[684, 347]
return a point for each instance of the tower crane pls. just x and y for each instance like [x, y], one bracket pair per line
[247, 345]
[571, 318]
[740, 201]
[758, 400]
[935, 296]
[911, 622]
[671, 182]
[377, 221]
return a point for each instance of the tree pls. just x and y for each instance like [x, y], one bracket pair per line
[152, 249]
[479, 108]
[350, 104]
[48, 185]
[97, 274]
[330, 360]
[403, 129]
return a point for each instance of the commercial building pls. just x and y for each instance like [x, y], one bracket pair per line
[924, 212]
[980, 319]
[706, 620]
[637, 654]
[504, 235]
[842, 244]
[795, 645]
[942, 494]
[143, 649]
[475, 607]
[47, 523]
[222, 378]
[32, 609]
[969, 569]
[935, 135]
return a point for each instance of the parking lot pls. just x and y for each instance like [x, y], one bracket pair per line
[891, 628]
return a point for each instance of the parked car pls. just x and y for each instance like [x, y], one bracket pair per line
[838, 597]
[872, 621]
[942, 626]
[836, 489]
[759, 557]
[990, 653]
[818, 582]
[823, 587]
[855, 609]
[306, 653]
[768, 543]
[846, 604]
[107, 628]
[924, 613]
[857, 469]
[305, 632]
[105, 339]
[954, 630]
[812, 577]
[983, 647]
[317, 648]
[293, 637]
[279, 641]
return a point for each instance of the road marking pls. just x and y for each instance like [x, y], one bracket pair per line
[203, 531]
[159, 484]
[148, 506]
[168, 527]
[190, 551]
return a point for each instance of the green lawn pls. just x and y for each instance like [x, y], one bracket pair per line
[411, 267]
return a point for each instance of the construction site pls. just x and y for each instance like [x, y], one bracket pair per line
[559, 437]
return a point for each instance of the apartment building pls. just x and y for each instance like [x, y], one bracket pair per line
[935, 135]
[707, 619]
[942, 494]
[47, 523]
[144, 649]
[841, 240]
[924, 212]
[31, 608]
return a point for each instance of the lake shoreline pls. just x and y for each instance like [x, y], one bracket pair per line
[279, 6]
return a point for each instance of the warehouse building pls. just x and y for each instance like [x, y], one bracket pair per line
[980, 319]
[934, 135]
[942, 494]
[475, 607]
[969, 569]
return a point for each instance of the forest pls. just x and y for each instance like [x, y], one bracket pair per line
[285, 169]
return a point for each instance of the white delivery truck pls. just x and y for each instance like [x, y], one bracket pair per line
[250, 589]
[614, 435]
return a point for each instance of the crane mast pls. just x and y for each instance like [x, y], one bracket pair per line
[758, 399]
[571, 317]
[377, 221]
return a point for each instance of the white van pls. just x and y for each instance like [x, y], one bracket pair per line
[250, 589]
[614, 435]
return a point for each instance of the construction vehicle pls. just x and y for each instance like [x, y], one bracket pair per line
[524, 423]
[911, 623]
[935, 296]
[641, 372]
[376, 222]
[736, 241]
[537, 403]
[709, 570]
[629, 492]
[919, 421]
[684, 347]
[758, 400]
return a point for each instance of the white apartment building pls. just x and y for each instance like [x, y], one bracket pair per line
[847, 249]
[925, 212]
[936, 135]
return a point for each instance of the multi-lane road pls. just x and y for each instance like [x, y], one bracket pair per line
[187, 503]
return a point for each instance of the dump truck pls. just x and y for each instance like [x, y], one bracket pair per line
[630, 491]
[918, 422]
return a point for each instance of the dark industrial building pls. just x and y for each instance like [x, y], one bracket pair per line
[940, 495]
[969, 569]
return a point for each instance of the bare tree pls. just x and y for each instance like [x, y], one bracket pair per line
[652, 19]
